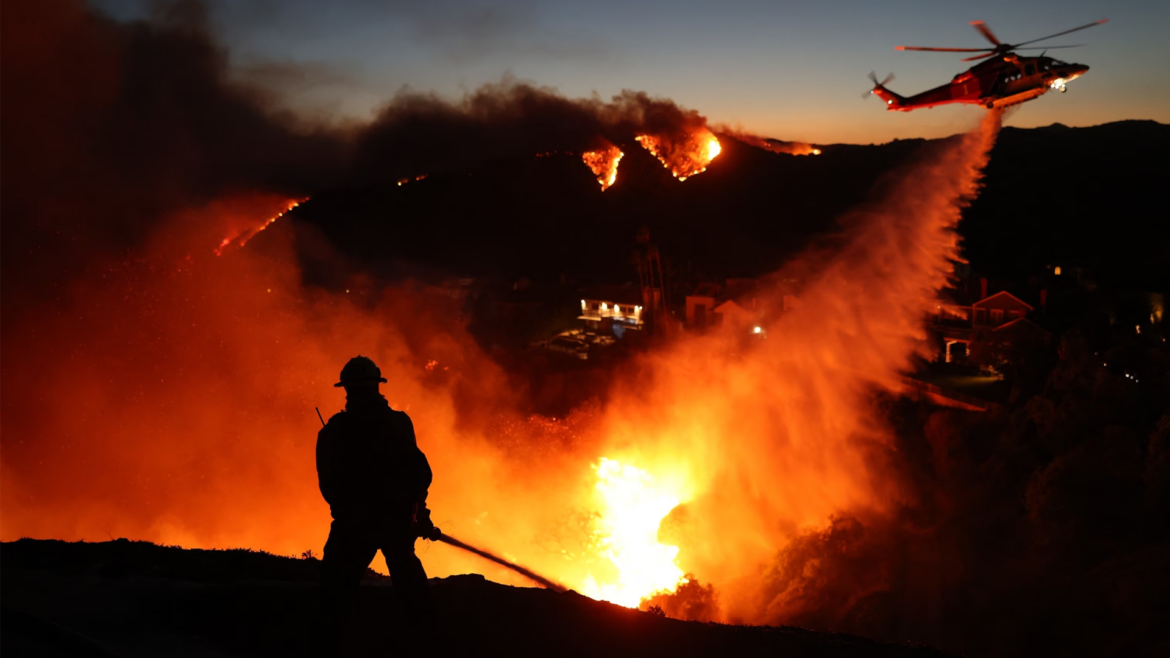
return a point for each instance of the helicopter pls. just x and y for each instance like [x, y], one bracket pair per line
[1004, 79]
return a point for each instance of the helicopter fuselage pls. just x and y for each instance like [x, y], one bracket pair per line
[999, 82]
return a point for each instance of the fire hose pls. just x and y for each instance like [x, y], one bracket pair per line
[527, 573]
[437, 535]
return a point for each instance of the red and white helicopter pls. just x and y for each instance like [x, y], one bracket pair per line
[1004, 79]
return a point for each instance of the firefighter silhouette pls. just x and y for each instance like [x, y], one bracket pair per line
[375, 479]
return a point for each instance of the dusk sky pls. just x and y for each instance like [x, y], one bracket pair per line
[792, 70]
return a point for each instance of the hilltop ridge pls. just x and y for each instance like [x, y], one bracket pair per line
[1048, 194]
[124, 598]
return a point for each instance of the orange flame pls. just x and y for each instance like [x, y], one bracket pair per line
[604, 164]
[633, 504]
[404, 181]
[241, 238]
[685, 156]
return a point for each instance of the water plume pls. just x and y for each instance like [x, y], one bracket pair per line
[773, 437]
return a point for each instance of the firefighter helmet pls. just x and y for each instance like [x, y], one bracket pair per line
[360, 370]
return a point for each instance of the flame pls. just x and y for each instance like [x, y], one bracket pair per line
[604, 164]
[686, 156]
[241, 238]
[633, 504]
[773, 145]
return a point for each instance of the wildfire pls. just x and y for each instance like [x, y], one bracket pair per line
[774, 145]
[713, 149]
[633, 505]
[404, 181]
[685, 157]
[604, 164]
[241, 238]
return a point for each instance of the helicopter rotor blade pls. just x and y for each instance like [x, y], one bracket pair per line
[888, 80]
[1083, 27]
[945, 50]
[984, 56]
[1079, 45]
[982, 28]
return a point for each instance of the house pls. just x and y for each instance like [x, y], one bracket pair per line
[612, 309]
[957, 319]
[733, 315]
[735, 306]
[701, 305]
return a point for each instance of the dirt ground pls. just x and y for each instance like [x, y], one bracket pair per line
[125, 598]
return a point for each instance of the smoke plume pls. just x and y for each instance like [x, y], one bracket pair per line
[420, 133]
[109, 126]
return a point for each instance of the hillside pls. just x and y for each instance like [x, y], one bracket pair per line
[124, 598]
[1052, 195]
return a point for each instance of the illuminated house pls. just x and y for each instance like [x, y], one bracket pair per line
[612, 309]
[956, 322]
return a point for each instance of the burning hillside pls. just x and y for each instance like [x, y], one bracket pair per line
[604, 164]
[773, 145]
[686, 155]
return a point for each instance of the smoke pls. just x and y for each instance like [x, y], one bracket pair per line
[157, 391]
[421, 133]
[770, 144]
[110, 126]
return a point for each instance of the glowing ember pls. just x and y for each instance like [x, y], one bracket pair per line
[686, 156]
[241, 238]
[604, 164]
[633, 505]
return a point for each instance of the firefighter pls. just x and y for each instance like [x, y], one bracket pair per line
[375, 479]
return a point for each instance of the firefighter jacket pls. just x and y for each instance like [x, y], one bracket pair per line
[369, 465]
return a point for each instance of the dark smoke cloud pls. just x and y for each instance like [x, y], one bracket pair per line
[421, 133]
[108, 126]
